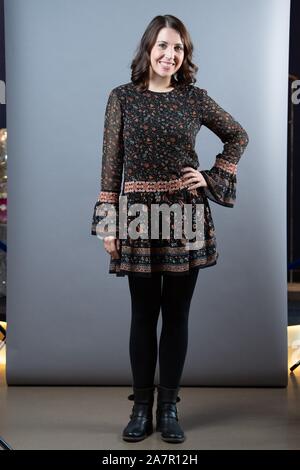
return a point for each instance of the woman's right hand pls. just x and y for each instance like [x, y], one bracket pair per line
[112, 246]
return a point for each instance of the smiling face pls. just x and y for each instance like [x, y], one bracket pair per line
[167, 53]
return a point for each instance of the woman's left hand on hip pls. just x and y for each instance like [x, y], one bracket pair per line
[193, 177]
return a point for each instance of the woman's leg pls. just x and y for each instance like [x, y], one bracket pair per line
[177, 294]
[145, 308]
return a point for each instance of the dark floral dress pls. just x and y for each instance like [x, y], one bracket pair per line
[148, 138]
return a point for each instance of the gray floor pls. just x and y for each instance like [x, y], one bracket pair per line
[94, 417]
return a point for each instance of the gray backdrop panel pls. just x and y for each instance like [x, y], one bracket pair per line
[68, 319]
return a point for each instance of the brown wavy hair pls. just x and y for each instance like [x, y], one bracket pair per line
[141, 62]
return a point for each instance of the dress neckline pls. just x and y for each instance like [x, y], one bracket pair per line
[156, 93]
[162, 92]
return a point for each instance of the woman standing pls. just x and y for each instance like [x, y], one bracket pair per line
[150, 129]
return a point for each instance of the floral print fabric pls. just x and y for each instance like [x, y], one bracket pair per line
[148, 138]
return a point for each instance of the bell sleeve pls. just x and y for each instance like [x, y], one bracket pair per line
[107, 204]
[221, 178]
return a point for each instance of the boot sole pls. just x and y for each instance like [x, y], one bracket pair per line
[136, 439]
[174, 440]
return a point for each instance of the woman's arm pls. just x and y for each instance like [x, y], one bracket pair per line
[112, 168]
[221, 178]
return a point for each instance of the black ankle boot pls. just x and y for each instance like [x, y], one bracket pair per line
[166, 415]
[141, 422]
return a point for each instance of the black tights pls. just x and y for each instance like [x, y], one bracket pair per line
[148, 296]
